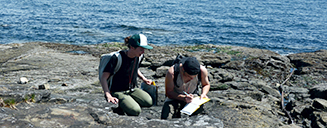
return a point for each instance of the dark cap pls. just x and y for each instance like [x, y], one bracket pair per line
[191, 66]
[139, 40]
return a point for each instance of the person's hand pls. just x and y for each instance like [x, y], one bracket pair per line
[188, 98]
[203, 96]
[147, 81]
[111, 99]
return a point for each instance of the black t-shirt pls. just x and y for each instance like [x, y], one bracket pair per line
[120, 81]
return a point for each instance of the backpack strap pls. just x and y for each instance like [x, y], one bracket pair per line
[118, 65]
[104, 59]
[176, 72]
[141, 58]
[119, 62]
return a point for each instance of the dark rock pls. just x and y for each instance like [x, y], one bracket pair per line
[215, 60]
[269, 90]
[307, 63]
[319, 91]
[307, 112]
[243, 91]
[319, 104]
[237, 65]
[222, 75]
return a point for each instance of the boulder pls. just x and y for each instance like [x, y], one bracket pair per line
[319, 91]
[320, 104]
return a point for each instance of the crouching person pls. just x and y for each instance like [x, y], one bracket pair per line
[181, 83]
[121, 88]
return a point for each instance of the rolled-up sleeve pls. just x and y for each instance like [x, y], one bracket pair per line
[111, 65]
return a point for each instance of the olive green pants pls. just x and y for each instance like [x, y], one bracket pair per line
[132, 101]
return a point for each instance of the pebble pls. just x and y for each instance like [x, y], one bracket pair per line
[64, 84]
[23, 80]
[44, 86]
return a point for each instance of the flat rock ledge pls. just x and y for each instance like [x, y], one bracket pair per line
[56, 85]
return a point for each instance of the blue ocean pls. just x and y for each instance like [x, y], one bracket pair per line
[283, 26]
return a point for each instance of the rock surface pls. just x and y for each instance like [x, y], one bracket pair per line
[245, 87]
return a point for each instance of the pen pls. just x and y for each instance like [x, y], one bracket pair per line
[186, 93]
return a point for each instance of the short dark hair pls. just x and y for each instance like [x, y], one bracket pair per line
[191, 65]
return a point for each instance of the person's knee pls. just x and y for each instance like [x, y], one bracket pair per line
[134, 111]
[148, 102]
[142, 98]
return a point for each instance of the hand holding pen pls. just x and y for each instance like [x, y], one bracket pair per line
[188, 97]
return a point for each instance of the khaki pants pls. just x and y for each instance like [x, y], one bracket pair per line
[132, 101]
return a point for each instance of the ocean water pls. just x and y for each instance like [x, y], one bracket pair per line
[283, 26]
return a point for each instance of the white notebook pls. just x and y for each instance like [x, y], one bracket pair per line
[194, 105]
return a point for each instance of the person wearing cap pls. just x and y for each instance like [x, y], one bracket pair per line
[122, 90]
[183, 89]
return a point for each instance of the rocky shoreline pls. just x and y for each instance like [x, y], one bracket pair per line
[63, 88]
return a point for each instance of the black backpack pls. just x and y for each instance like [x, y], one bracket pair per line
[180, 59]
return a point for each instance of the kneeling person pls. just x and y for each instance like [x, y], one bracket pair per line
[122, 90]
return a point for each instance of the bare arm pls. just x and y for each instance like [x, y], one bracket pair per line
[169, 85]
[105, 88]
[205, 82]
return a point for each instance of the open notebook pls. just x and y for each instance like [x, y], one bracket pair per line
[194, 105]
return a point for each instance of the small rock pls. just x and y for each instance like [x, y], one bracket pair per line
[44, 86]
[290, 126]
[64, 84]
[54, 80]
[23, 80]
[58, 100]
[145, 64]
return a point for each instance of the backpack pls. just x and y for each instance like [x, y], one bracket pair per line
[179, 59]
[105, 58]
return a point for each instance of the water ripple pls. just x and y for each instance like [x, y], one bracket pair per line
[282, 26]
